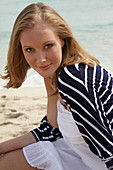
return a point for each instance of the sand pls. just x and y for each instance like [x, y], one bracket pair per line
[21, 110]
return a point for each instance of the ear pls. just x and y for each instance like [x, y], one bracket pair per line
[62, 42]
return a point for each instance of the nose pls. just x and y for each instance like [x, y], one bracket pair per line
[40, 56]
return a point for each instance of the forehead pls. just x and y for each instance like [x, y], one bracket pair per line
[40, 32]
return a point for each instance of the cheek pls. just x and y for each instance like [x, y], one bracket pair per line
[57, 56]
[29, 60]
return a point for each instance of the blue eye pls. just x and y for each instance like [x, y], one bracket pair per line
[29, 50]
[48, 46]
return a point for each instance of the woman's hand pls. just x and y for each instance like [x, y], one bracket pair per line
[17, 143]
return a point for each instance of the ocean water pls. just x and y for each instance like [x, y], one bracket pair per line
[90, 21]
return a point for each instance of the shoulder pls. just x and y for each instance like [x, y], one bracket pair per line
[80, 74]
[77, 72]
[84, 72]
[69, 74]
[70, 78]
[68, 71]
[78, 68]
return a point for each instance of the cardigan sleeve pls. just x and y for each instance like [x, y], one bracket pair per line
[45, 132]
[85, 92]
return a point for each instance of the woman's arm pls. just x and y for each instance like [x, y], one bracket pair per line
[28, 138]
[52, 98]
[48, 130]
[17, 143]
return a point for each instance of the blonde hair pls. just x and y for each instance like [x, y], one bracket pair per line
[16, 68]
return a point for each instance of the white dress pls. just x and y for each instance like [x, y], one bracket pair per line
[69, 153]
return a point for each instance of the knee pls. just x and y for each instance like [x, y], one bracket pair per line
[14, 160]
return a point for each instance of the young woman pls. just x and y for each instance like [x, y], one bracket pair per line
[76, 133]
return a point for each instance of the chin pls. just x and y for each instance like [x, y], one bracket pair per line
[46, 76]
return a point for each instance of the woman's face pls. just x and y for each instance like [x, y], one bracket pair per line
[42, 49]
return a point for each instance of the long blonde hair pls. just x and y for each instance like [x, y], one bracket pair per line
[17, 67]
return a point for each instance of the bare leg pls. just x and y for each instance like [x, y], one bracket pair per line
[15, 161]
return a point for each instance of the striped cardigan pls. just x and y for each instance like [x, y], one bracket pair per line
[88, 92]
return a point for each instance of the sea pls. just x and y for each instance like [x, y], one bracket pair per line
[91, 22]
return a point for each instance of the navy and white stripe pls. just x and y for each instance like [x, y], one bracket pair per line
[46, 132]
[88, 91]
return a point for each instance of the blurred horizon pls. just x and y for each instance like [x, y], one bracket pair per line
[90, 21]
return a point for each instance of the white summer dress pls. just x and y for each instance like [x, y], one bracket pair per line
[68, 153]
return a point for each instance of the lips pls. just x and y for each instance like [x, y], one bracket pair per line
[45, 67]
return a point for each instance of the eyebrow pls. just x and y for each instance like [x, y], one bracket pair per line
[30, 46]
[51, 41]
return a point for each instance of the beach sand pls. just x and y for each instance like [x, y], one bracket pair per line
[21, 110]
